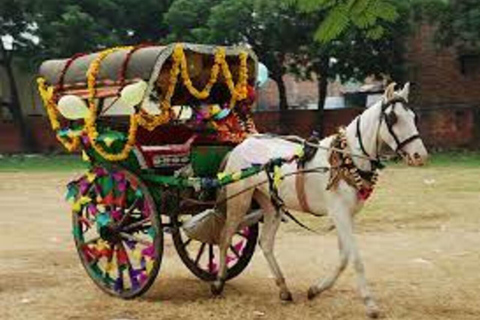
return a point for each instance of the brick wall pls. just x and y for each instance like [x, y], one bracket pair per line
[303, 122]
[10, 139]
[440, 127]
[299, 93]
[437, 73]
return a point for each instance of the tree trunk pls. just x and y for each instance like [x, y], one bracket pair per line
[322, 86]
[282, 90]
[14, 105]
[283, 106]
[321, 70]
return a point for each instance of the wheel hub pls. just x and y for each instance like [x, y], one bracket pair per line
[110, 234]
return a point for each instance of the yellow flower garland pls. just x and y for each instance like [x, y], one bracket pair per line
[238, 92]
[90, 120]
[48, 95]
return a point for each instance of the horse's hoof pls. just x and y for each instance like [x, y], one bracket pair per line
[286, 296]
[373, 312]
[216, 289]
[312, 293]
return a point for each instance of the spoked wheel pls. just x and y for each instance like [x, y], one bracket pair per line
[202, 259]
[117, 231]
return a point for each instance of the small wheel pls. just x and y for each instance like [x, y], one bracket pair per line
[117, 231]
[202, 259]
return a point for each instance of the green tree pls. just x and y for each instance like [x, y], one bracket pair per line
[342, 15]
[352, 56]
[66, 27]
[459, 24]
[38, 30]
[273, 30]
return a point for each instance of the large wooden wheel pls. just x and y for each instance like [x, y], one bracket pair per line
[117, 231]
[202, 259]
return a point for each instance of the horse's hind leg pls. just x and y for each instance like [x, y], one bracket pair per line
[236, 209]
[267, 240]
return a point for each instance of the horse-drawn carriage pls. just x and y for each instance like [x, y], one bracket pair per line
[155, 144]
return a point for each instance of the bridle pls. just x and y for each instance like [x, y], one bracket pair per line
[390, 121]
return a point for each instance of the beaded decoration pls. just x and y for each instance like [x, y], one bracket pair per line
[343, 168]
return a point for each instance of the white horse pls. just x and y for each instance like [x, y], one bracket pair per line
[389, 121]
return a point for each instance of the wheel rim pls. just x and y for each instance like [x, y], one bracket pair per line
[202, 259]
[117, 231]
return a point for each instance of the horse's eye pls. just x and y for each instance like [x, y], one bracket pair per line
[391, 118]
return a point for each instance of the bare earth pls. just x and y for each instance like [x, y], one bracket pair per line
[419, 236]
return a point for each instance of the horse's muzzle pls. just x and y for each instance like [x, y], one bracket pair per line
[415, 160]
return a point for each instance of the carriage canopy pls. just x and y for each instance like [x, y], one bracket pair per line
[154, 86]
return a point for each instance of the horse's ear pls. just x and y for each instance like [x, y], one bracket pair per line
[405, 91]
[390, 91]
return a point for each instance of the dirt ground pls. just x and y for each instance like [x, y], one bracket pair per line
[419, 236]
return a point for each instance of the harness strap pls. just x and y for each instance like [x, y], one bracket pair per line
[360, 139]
[301, 195]
[407, 141]
[400, 144]
[278, 202]
[375, 164]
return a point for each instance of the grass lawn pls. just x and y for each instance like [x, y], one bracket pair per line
[41, 163]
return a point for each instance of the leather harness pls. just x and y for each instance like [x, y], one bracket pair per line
[342, 165]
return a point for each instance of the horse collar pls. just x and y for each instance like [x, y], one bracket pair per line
[343, 168]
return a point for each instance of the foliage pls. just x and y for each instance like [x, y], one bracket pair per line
[66, 27]
[273, 30]
[460, 25]
[342, 15]
[14, 22]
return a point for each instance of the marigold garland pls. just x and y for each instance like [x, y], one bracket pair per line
[90, 120]
[48, 97]
[179, 67]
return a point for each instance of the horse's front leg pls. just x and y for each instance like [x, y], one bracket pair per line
[329, 281]
[348, 249]
[372, 308]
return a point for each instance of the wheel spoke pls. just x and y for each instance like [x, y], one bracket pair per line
[91, 241]
[242, 235]
[235, 251]
[128, 212]
[136, 224]
[211, 257]
[200, 253]
[186, 243]
[136, 239]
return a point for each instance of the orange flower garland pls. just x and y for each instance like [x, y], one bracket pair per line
[48, 95]
[179, 67]
[90, 121]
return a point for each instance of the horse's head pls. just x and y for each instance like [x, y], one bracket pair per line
[398, 128]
